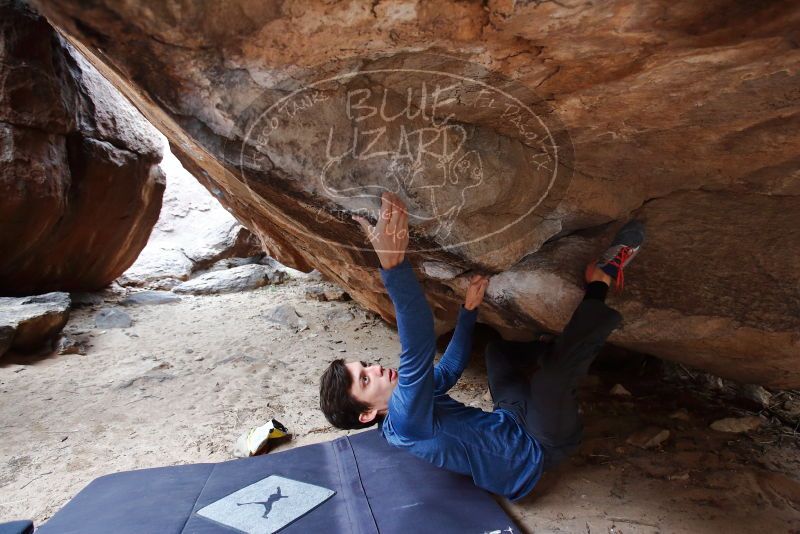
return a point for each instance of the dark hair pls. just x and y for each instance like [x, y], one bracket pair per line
[340, 408]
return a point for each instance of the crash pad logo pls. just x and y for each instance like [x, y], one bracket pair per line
[275, 497]
[475, 156]
[266, 506]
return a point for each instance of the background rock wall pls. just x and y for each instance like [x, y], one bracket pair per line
[80, 187]
[685, 114]
[193, 231]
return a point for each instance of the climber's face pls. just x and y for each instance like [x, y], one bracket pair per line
[372, 385]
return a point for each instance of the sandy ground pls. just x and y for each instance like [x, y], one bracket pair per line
[187, 378]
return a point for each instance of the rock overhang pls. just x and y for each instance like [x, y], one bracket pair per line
[681, 115]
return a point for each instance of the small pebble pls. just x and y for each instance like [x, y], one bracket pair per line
[792, 406]
[648, 438]
[619, 391]
[681, 414]
[737, 425]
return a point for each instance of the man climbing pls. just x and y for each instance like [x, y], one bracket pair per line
[535, 423]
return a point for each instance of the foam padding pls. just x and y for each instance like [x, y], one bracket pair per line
[378, 489]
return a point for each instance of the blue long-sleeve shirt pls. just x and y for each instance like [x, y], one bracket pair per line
[489, 446]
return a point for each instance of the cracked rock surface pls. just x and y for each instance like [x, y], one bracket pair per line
[683, 114]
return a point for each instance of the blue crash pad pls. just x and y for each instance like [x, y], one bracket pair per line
[17, 527]
[376, 488]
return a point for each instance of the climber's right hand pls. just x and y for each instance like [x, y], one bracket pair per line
[389, 236]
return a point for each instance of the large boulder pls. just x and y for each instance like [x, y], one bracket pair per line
[520, 134]
[80, 187]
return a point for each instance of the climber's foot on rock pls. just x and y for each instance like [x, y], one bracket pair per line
[624, 247]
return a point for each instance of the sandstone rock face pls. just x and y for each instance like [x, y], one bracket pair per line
[145, 298]
[193, 231]
[242, 278]
[80, 187]
[521, 134]
[29, 323]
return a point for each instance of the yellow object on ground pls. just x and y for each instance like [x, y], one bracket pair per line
[261, 439]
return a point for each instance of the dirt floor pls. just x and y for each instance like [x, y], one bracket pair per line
[187, 378]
